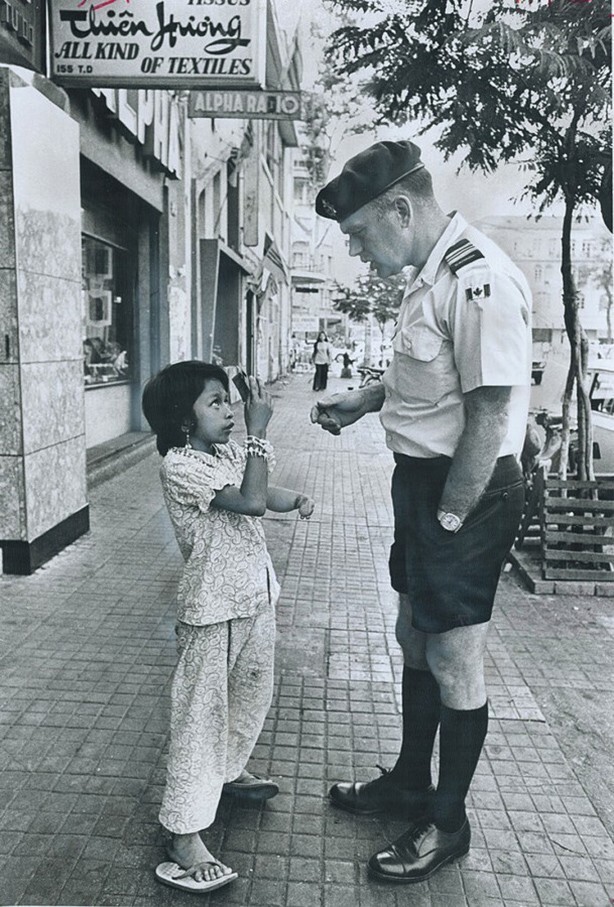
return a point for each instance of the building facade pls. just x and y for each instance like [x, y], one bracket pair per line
[131, 235]
[317, 250]
[535, 246]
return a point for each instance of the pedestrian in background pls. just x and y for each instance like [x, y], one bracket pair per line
[321, 358]
[346, 371]
[215, 492]
[454, 404]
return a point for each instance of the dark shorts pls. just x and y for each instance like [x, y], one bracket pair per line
[451, 578]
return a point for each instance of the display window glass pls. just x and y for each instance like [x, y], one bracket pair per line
[107, 316]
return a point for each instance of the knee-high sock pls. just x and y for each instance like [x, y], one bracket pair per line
[461, 738]
[421, 706]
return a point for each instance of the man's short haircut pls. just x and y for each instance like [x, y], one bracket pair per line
[169, 397]
[418, 185]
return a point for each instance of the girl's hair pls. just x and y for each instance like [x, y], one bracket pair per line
[168, 399]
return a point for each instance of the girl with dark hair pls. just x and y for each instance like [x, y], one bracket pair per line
[321, 358]
[215, 491]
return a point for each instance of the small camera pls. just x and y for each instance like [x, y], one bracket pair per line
[242, 385]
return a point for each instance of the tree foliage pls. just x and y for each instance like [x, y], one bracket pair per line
[513, 80]
[370, 295]
[496, 82]
[315, 143]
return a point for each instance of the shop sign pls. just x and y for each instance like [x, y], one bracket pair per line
[247, 105]
[22, 33]
[151, 118]
[168, 44]
[305, 324]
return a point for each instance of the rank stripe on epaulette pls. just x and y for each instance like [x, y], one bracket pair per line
[460, 254]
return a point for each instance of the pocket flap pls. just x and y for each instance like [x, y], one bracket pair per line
[420, 343]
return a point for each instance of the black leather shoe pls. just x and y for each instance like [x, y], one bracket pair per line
[381, 795]
[419, 853]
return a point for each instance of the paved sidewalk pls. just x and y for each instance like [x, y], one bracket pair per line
[87, 652]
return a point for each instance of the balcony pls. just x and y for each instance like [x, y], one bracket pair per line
[307, 273]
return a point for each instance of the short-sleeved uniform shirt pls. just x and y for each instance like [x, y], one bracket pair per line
[457, 331]
[228, 571]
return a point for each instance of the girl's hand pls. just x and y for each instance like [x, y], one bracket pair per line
[305, 506]
[258, 409]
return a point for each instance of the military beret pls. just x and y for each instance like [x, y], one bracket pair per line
[366, 176]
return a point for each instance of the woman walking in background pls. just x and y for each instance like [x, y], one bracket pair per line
[321, 358]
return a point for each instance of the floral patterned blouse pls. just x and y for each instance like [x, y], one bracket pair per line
[228, 571]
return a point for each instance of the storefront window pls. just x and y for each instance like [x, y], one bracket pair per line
[107, 338]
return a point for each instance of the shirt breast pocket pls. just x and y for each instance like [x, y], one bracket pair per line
[425, 371]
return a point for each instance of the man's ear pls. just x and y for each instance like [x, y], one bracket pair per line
[402, 206]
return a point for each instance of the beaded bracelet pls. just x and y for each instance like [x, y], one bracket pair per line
[258, 447]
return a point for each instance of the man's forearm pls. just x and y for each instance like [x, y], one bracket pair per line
[479, 446]
[373, 397]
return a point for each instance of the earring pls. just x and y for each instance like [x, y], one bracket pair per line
[187, 444]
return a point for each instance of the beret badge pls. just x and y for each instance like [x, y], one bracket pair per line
[328, 209]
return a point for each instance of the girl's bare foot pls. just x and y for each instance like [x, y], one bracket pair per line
[189, 850]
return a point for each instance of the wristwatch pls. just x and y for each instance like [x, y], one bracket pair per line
[449, 521]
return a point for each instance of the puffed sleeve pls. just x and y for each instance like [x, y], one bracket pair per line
[191, 480]
[491, 329]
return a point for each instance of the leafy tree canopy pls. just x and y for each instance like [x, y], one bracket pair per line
[370, 295]
[512, 76]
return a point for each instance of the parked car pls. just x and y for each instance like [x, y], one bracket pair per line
[601, 394]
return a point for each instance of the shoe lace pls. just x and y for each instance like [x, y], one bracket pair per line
[419, 828]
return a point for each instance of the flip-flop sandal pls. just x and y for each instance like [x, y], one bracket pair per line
[251, 787]
[174, 875]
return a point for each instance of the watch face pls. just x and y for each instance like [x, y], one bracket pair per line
[450, 522]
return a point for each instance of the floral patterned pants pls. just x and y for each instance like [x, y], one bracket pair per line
[220, 696]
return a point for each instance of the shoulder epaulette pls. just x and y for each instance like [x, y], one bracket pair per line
[461, 254]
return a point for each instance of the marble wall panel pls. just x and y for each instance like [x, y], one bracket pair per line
[50, 318]
[48, 243]
[5, 131]
[12, 508]
[46, 185]
[10, 410]
[53, 407]
[8, 316]
[7, 221]
[56, 485]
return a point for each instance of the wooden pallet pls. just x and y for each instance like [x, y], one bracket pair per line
[577, 529]
[530, 524]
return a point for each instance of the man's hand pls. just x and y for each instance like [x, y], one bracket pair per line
[336, 411]
[486, 412]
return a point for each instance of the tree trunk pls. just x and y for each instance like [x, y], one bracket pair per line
[576, 376]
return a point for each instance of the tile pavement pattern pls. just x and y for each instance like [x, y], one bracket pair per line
[86, 656]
